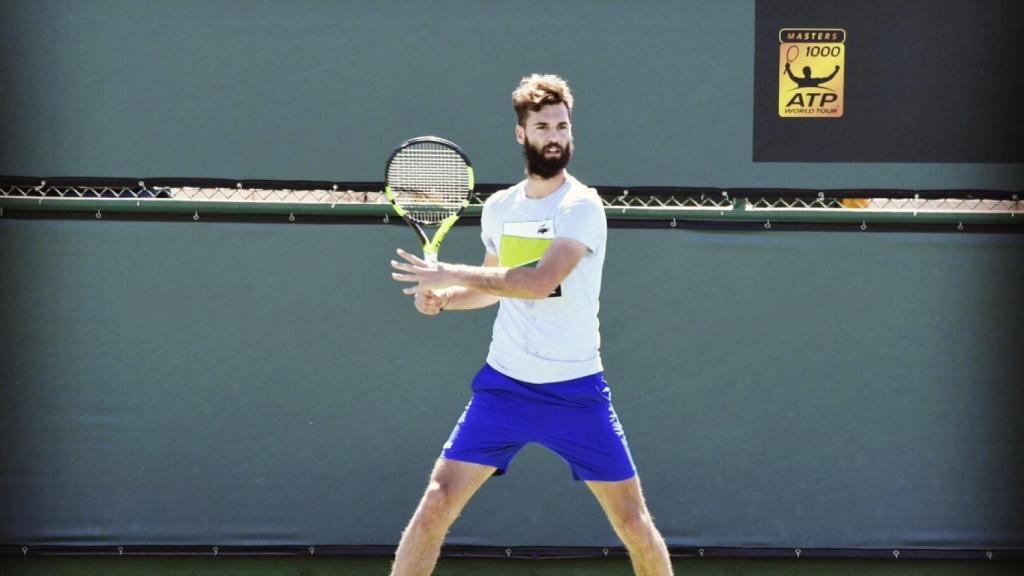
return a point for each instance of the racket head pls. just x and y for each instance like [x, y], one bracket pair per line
[429, 180]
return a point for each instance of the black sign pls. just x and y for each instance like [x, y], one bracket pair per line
[888, 81]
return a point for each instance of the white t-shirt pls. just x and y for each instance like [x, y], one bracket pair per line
[555, 338]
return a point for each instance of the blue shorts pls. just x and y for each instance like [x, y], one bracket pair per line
[574, 419]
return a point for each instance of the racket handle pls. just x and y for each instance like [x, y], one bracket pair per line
[431, 259]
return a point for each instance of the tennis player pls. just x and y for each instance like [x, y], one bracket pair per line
[544, 241]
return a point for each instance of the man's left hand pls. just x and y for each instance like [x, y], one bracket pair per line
[426, 277]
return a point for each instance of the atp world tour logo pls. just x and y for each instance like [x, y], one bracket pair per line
[812, 66]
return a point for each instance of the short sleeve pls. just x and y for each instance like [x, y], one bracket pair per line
[487, 232]
[583, 220]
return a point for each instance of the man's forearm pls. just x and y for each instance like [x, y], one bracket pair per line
[462, 298]
[496, 281]
[528, 282]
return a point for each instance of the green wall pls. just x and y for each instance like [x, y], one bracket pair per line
[322, 90]
[179, 383]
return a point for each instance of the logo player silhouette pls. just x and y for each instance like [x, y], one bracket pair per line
[807, 81]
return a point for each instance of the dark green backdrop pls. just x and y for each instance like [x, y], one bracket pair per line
[322, 89]
[174, 383]
[166, 383]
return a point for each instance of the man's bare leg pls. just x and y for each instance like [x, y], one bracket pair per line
[452, 484]
[623, 503]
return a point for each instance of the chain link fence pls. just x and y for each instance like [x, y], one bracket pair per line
[652, 203]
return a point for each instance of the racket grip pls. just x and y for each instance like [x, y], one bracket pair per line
[431, 259]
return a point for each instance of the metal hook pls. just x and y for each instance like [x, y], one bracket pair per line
[960, 226]
[605, 552]
[768, 225]
[312, 550]
[673, 223]
[798, 552]
[863, 226]
[98, 214]
[896, 554]
[291, 217]
[386, 220]
[195, 217]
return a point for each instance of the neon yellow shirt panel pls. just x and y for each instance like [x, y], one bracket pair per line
[525, 243]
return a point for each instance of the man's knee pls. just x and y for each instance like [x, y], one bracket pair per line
[636, 527]
[437, 510]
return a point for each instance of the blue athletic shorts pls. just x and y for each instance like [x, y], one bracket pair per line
[574, 419]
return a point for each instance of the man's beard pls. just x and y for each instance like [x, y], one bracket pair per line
[539, 165]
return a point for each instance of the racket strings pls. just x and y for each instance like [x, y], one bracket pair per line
[430, 181]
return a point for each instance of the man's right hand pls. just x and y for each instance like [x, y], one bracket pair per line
[430, 303]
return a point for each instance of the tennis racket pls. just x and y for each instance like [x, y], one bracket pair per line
[429, 180]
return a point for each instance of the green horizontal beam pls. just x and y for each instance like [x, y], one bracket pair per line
[203, 207]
